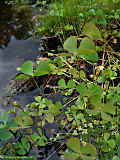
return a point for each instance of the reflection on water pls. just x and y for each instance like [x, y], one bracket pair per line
[15, 46]
[14, 21]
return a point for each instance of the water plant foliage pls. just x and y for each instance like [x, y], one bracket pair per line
[81, 112]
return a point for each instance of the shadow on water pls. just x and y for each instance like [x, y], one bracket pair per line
[16, 46]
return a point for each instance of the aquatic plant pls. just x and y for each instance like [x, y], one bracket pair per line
[85, 122]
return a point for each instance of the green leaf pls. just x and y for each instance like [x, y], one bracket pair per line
[106, 117]
[88, 152]
[5, 134]
[62, 83]
[70, 84]
[68, 27]
[38, 99]
[71, 44]
[27, 68]
[87, 50]
[115, 158]
[65, 54]
[106, 136]
[109, 108]
[71, 156]
[12, 125]
[40, 131]
[35, 137]
[102, 21]
[19, 148]
[94, 90]
[104, 147]
[25, 143]
[111, 143]
[80, 116]
[82, 89]
[4, 117]
[49, 117]
[100, 12]
[92, 31]
[42, 69]
[42, 141]
[87, 43]
[82, 75]
[74, 144]
[21, 76]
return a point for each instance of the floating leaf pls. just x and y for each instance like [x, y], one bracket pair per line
[71, 44]
[27, 68]
[92, 31]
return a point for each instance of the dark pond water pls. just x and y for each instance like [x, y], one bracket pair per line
[16, 46]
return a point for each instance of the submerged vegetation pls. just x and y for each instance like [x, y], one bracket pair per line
[76, 116]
